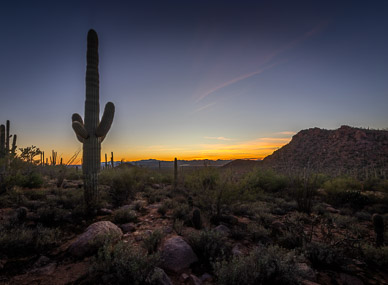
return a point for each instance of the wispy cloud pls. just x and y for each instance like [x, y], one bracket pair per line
[203, 108]
[218, 138]
[286, 133]
[234, 80]
[268, 58]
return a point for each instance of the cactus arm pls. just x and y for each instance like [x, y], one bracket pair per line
[106, 120]
[77, 117]
[79, 128]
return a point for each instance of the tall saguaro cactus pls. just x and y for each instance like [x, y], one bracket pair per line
[92, 132]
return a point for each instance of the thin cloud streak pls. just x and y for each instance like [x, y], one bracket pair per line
[268, 58]
[203, 108]
[218, 138]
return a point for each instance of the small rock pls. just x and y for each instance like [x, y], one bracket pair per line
[237, 250]
[332, 210]
[105, 211]
[194, 280]
[206, 277]
[167, 230]
[128, 228]
[306, 271]
[222, 229]
[183, 277]
[42, 261]
[177, 254]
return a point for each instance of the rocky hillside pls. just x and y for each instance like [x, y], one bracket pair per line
[346, 149]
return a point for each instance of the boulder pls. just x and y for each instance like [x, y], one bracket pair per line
[93, 237]
[177, 254]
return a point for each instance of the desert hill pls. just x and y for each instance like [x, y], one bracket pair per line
[344, 150]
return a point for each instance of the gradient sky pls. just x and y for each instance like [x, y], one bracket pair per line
[194, 79]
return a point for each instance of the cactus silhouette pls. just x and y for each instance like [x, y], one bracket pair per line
[93, 131]
[175, 173]
[2, 141]
[378, 226]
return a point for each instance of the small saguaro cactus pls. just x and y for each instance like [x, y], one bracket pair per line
[197, 222]
[175, 172]
[378, 225]
[93, 131]
[2, 141]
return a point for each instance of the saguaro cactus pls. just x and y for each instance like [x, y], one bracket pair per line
[2, 141]
[175, 173]
[92, 132]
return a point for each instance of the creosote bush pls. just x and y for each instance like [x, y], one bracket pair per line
[124, 215]
[209, 245]
[272, 265]
[152, 241]
[124, 263]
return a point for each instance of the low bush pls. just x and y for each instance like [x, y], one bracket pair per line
[152, 241]
[22, 240]
[323, 255]
[376, 256]
[265, 179]
[124, 263]
[272, 265]
[123, 216]
[209, 245]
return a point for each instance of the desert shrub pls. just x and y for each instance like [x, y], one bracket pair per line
[21, 240]
[272, 265]
[376, 256]
[123, 216]
[162, 209]
[243, 210]
[181, 212]
[304, 189]
[121, 183]
[322, 255]
[73, 174]
[265, 179]
[178, 226]
[258, 233]
[152, 241]
[351, 198]
[36, 194]
[124, 263]
[363, 216]
[209, 245]
[51, 215]
[340, 184]
[28, 180]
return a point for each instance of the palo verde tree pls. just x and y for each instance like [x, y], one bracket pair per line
[93, 131]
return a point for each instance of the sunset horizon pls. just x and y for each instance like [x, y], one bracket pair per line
[193, 81]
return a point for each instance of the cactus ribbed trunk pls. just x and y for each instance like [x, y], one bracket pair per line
[91, 132]
[92, 146]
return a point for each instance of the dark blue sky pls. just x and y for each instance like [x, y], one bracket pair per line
[194, 78]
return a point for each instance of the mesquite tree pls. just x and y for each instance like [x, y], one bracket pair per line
[93, 131]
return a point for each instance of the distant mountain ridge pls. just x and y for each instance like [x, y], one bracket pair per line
[345, 149]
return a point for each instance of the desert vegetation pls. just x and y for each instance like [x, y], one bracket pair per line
[261, 227]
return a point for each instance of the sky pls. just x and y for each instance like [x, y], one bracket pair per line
[194, 79]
